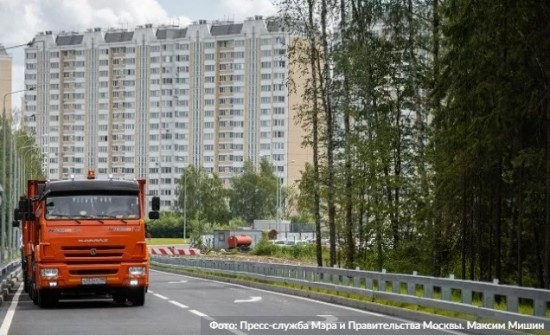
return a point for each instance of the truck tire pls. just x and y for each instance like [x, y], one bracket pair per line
[46, 298]
[33, 294]
[25, 284]
[137, 298]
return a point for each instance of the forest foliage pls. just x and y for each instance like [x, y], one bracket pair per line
[430, 125]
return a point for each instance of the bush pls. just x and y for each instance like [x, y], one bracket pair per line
[264, 247]
[167, 226]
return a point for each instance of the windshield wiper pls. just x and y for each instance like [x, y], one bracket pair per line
[74, 217]
[113, 217]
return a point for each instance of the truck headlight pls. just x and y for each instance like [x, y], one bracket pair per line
[49, 272]
[136, 270]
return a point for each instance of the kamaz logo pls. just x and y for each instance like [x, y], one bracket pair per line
[93, 251]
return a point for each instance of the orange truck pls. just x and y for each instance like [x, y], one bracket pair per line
[83, 238]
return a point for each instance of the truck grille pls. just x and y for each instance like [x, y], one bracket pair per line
[92, 252]
[94, 272]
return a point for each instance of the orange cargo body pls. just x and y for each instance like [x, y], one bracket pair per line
[238, 241]
[84, 238]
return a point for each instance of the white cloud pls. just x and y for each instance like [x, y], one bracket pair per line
[21, 20]
[239, 10]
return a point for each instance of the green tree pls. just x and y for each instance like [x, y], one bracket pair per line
[202, 195]
[253, 194]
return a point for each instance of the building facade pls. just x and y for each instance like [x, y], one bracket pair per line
[149, 102]
[5, 81]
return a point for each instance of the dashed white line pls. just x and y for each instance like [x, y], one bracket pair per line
[10, 313]
[160, 296]
[178, 304]
[202, 315]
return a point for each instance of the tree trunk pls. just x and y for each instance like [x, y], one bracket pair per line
[315, 125]
[326, 94]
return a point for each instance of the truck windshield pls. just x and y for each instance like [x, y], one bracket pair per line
[92, 207]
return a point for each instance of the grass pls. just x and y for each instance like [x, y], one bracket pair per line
[166, 241]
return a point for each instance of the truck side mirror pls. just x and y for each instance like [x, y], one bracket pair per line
[155, 203]
[16, 214]
[15, 224]
[154, 215]
[21, 209]
[25, 209]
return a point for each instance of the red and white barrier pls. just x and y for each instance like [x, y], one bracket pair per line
[174, 251]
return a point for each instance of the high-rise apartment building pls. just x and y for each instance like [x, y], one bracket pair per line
[5, 80]
[147, 103]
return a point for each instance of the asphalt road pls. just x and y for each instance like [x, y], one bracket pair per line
[177, 304]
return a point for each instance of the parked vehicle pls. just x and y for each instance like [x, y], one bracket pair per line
[242, 242]
[82, 237]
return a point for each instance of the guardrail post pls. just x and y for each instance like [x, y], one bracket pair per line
[335, 277]
[326, 277]
[381, 285]
[428, 290]
[411, 287]
[345, 280]
[396, 286]
[368, 283]
[466, 296]
[446, 290]
[356, 279]
[488, 299]
[512, 303]
[540, 307]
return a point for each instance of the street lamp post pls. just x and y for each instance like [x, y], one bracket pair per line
[184, 205]
[5, 147]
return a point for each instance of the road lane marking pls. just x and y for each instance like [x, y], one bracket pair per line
[11, 312]
[252, 299]
[177, 304]
[202, 315]
[160, 296]
[177, 282]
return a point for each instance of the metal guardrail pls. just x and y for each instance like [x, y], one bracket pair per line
[8, 272]
[440, 293]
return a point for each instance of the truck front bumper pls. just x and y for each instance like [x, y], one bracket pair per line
[91, 277]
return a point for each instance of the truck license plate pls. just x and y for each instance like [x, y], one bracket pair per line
[94, 281]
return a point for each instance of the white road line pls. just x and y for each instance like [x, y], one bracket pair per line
[178, 304]
[252, 299]
[202, 315]
[160, 296]
[11, 312]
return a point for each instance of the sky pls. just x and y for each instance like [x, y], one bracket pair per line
[21, 20]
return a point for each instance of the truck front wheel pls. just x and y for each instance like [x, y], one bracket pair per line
[137, 298]
[47, 298]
